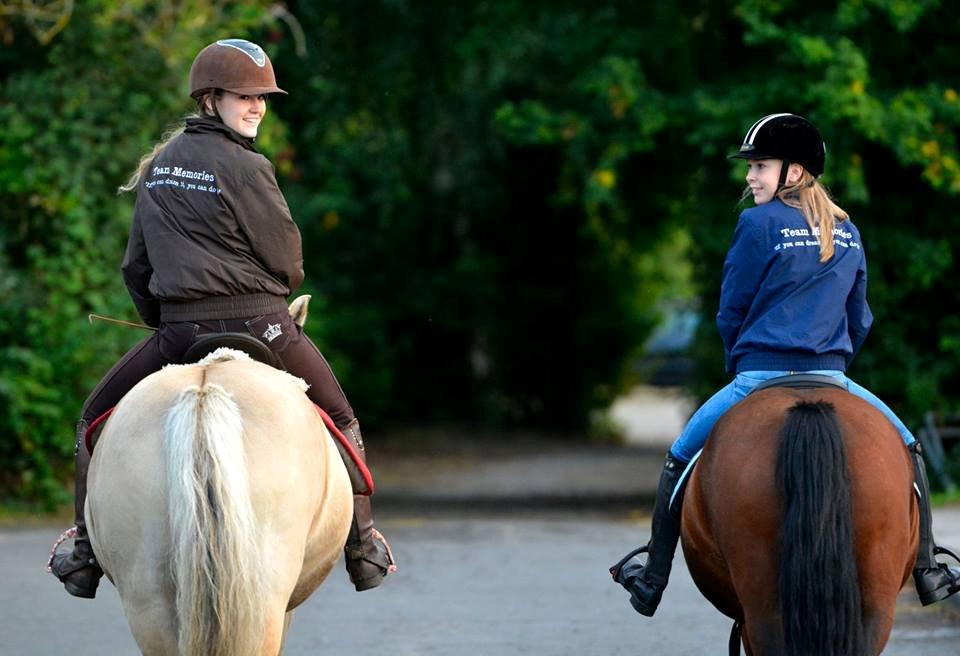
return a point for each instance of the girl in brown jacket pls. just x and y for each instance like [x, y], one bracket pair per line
[213, 249]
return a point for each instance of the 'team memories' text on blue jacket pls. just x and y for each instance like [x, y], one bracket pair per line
[781, 309]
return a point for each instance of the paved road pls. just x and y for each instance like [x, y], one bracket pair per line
[498, 586]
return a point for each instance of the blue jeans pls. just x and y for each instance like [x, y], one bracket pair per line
[695, 433]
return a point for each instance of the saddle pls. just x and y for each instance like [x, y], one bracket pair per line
[252, 346]
[360, 476]
[800, 381]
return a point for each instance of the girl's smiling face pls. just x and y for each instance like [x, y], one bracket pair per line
[763, 177]
[242, 113]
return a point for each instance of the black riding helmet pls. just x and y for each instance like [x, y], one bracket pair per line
[788, 137]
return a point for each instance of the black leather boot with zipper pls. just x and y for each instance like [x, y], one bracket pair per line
[78, 570]
[934, 580]
[646, 581]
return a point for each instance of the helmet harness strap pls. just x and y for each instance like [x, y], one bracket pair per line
[784, 168]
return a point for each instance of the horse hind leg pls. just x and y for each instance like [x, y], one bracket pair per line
[763, 637]
[878, 624]
[287, 620]
[153, 625]
[275, 631]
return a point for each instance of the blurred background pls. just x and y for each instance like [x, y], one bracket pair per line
[514, 213]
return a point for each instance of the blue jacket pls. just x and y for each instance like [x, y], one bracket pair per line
[781, 309]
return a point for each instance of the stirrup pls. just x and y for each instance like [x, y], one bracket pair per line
[644, 595]
[66, 535]
[66, 570]
[617, 569]
[938, 582]
[391, 561]
[365, 572]
[938, 551]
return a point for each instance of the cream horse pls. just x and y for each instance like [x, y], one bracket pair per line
[217, 503]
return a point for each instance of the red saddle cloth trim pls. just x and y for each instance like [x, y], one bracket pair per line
[357, 460]
[94, 425]
[331, 427]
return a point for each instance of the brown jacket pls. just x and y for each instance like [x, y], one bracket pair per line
[212, 236]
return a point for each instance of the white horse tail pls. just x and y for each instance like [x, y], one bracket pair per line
[217, 559]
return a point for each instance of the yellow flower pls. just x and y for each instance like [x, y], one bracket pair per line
[605, 178]
[950, 95]
[930, 148]
[857, 87]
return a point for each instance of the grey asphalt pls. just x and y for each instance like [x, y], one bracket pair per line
[511, 585]
[503, 541]
[516, 473]
[521, 474]
[503, 548]
[524, 474]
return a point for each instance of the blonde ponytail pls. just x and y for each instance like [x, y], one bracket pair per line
[168, 136]
[141, 169]
[821, 213]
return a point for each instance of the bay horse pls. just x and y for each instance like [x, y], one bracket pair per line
[217, 503]
[800, 523]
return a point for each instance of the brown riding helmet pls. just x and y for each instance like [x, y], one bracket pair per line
[235, 65]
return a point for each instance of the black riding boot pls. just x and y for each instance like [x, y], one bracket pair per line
[369, 558]
[646, 582]
[934, 581]
[78, 570]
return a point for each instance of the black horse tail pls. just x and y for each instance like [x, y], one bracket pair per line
[820, 599]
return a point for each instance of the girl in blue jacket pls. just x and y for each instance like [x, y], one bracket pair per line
[793, 300]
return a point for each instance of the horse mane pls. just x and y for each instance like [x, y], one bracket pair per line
[817, 555]
[218, 561]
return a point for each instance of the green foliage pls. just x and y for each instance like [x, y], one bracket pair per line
[78, 115]
[460, 194]
[892, 163]
[497, 198]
